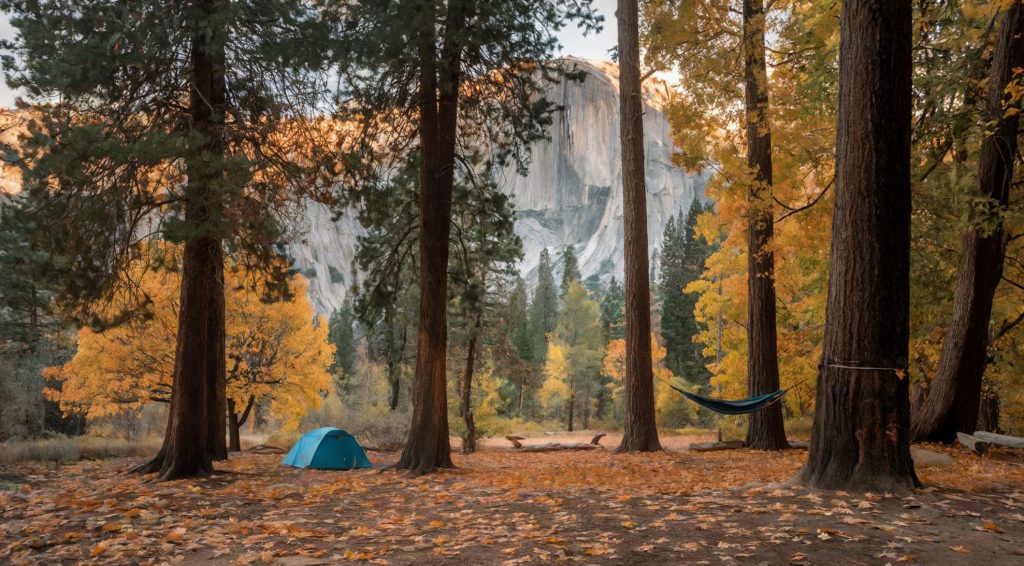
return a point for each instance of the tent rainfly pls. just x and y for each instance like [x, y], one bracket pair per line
[327, 448]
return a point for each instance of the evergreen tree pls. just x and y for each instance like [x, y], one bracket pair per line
[519, 320]
[613, 311]
[444, 75]
[342, 334]
[544, 309]
[570, 269]
[183, 118]
[682, 262]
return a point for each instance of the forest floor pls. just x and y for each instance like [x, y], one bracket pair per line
[498, 506]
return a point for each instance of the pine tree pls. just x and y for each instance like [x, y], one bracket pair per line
[640, 432]
[613, 311]
[117, 156]
[342, 334]
[570, 269]
[544, 308]
[430, 66]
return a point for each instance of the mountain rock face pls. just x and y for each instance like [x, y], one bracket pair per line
[571, 195]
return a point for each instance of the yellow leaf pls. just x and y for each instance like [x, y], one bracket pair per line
[628, 524]
[111, 527]
[959, 548]
[99, 548]
[441, 540]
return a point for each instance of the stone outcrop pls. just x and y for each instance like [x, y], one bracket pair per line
[571, 195]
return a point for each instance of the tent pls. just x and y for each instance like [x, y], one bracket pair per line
[327, 448]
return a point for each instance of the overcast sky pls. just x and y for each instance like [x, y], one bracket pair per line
[593, 46]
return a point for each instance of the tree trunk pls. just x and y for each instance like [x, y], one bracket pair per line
[861, 433]
[216, 380]
[428, 448]
[571, 408]
[236, 421]
[394, 384]
[955, 393]
[765, 429]
[466, 401]
[234, 436]
[988, 411]
[195, 433]
[639, 431]
[394, 352]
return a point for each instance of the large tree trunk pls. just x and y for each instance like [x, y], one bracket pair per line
[466, 394]
[640, 432]
[195, 433]
[955, 393]
[765, 429]
[428, 447]
[861, 434]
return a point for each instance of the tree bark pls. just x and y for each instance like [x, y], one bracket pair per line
[195, 433]
[988, 411]
[955, 393]
[640, 433]
[765, 428]
[234, 435]
[428, 448]
[216, 380]
[235, 423]
[466, 401]
[860, 439]
[395, 350]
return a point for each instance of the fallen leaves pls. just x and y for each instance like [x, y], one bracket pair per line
[667, 507]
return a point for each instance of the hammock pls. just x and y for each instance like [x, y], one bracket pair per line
[737, 407]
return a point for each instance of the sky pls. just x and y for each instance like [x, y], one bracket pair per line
[592, 46]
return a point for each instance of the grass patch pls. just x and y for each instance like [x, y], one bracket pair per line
[65, 450]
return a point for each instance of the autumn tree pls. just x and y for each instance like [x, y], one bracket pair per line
[192, 120]
[703, 42]
[671, 409]
[861, 434]
[275, 351]
[574, 358]
[765, 429]
[955, 393]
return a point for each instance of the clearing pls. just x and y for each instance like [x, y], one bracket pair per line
[505, 507]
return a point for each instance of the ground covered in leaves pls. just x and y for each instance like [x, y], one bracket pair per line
[500, 506]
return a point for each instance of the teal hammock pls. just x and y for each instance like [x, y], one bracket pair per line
[737, 407]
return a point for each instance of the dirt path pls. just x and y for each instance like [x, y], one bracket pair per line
[504, 507]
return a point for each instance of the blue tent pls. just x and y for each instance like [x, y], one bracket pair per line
[327, 448]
